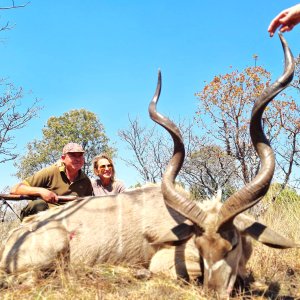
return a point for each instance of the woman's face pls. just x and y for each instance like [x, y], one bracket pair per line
[105, 169]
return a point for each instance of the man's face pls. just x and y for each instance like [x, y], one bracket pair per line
[73, 160]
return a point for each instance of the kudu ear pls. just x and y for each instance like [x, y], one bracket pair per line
[176, 235]
[262, 233]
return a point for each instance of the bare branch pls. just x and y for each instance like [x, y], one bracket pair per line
[13, 6]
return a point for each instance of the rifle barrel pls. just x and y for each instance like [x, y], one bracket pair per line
[13, 197]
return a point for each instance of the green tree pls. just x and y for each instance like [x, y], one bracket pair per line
[79, 126]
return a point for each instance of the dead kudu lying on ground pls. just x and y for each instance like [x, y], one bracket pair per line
[149, 225]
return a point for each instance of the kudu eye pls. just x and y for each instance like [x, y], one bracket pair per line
[231, 236]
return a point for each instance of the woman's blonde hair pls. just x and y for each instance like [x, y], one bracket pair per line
[95, 164]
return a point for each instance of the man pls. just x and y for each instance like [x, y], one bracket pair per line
[63, 178]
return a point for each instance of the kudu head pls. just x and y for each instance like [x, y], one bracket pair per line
[217, 237]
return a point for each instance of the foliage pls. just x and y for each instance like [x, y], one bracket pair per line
[79, 126]
[223, 155]
[224, 113]
[278, 195]
[224, 110]
[296, 81]
[287, 142]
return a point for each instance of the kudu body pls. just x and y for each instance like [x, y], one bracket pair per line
[141, 225]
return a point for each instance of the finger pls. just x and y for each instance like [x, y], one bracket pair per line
[286, 28]
[273, 26]
[51, 200]
[277, 21]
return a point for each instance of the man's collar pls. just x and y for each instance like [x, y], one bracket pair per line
[62, 168]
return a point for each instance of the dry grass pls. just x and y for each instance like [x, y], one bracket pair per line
[103, 282]
[280, 269]
[277, 273]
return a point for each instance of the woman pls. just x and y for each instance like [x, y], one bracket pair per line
[106, 184]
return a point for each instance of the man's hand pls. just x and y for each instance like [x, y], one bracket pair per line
[48, 196]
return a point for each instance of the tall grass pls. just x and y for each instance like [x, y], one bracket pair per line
[279, 268]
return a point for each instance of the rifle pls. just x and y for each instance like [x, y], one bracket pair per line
[13, 197]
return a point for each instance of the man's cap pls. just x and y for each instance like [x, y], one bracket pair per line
[72, 147]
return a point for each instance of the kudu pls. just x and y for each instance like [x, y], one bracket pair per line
[136, 226]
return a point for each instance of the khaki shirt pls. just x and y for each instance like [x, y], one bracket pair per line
[54, 179]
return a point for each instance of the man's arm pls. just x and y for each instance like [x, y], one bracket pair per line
[24, 189]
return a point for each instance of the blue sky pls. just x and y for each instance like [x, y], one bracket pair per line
[103, 56]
